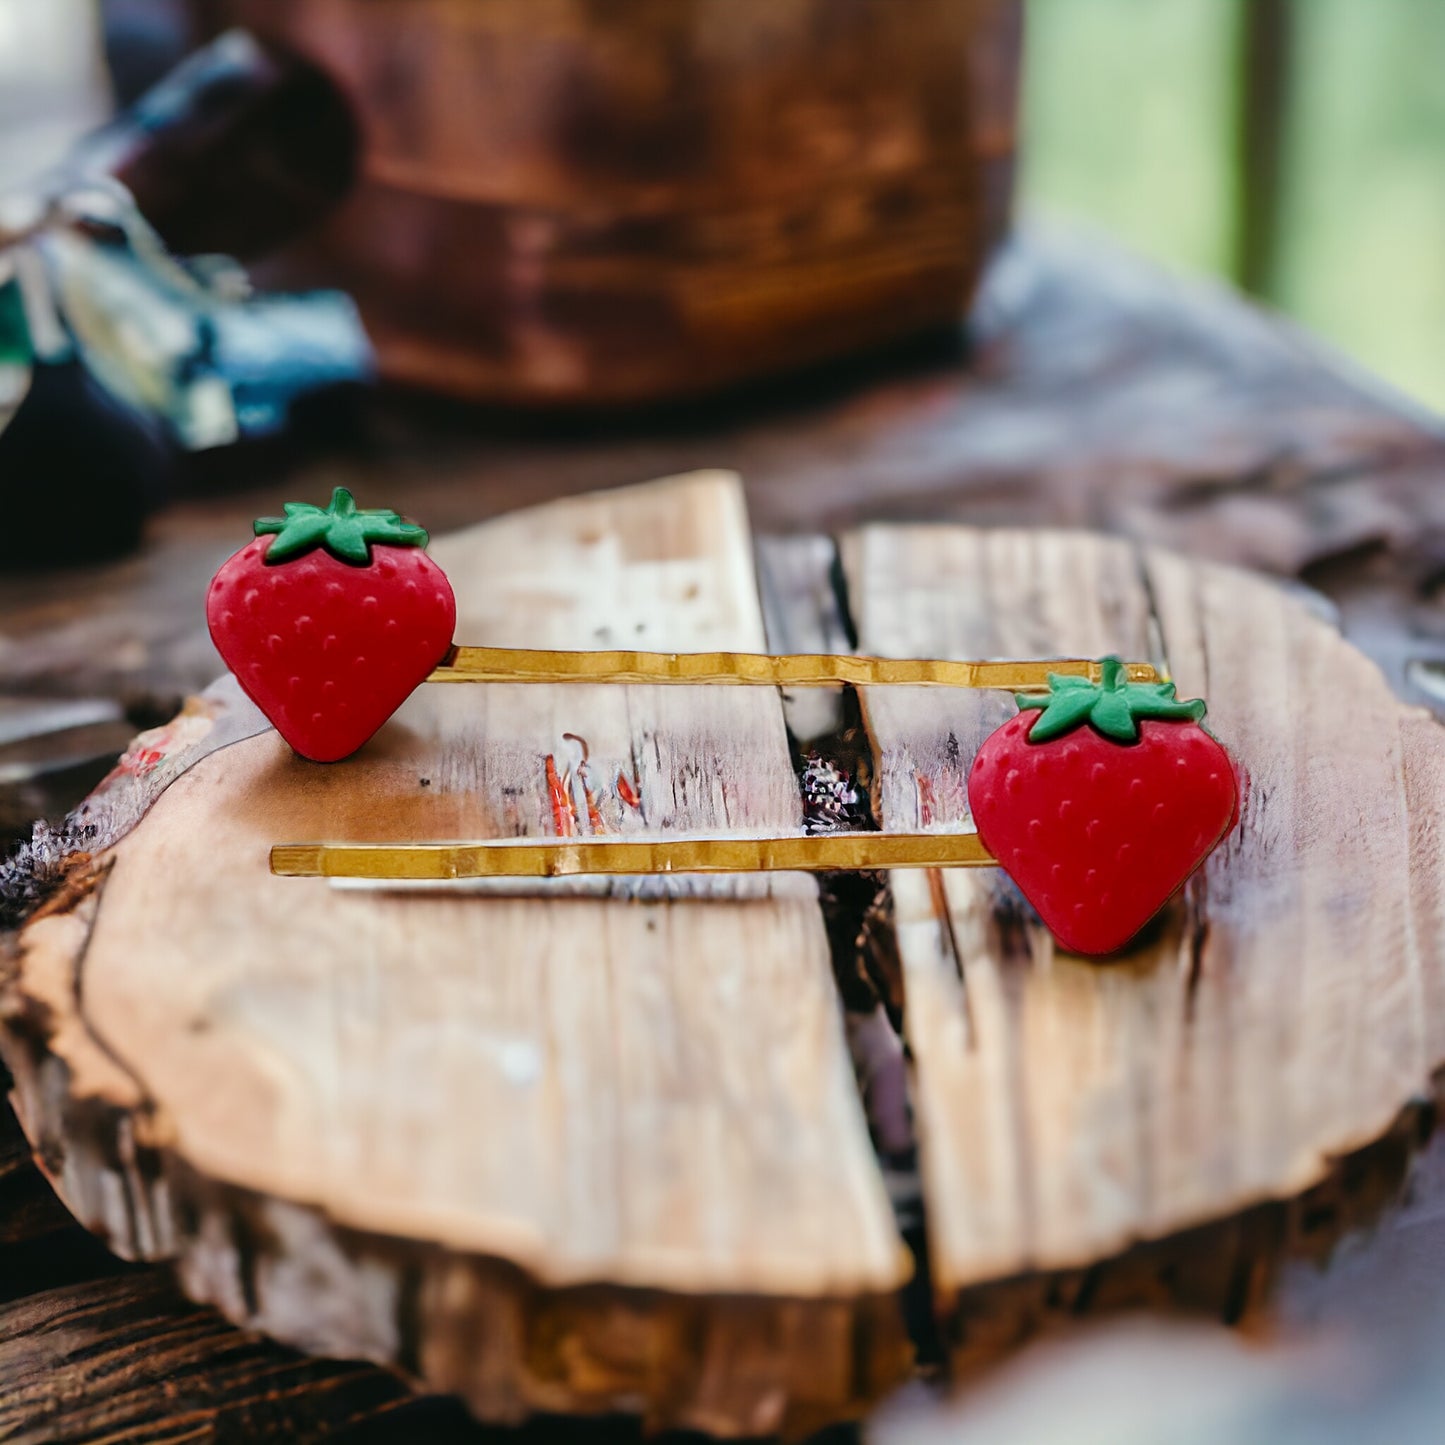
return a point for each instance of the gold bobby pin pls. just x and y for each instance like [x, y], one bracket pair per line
[572, 857]
[521, 664]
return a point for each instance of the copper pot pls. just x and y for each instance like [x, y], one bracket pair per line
[619, 201]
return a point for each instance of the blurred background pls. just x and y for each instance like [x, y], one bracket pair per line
[580, 206]
[1294, 147]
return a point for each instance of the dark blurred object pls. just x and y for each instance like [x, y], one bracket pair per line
[143, 40]
[189, 340]
[238, 149]
[122, 349]
[79, 470]
[113, 351]
[613, 203]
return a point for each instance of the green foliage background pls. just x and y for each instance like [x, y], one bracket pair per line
[1132, 119]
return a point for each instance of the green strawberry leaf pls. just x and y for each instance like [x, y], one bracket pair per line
[344, 529]
[1113, 706]
[1064, 710]
[1112, 716]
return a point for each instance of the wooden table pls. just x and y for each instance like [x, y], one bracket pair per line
[1089, 391]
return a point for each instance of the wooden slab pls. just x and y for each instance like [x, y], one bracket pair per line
[677, 1211]
[1290, 1004]
[574, 1153]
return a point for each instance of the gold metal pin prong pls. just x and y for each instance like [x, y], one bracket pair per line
[757, 669]
[574, 857]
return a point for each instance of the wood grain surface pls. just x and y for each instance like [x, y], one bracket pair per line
[1280, 1015]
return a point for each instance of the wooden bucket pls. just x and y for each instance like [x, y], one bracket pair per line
[569, 201]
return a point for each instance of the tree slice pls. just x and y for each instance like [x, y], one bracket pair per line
[675, 1210]
[1287, 1006]
[564, 1153]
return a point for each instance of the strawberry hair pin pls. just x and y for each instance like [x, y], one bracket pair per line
[330, 620]
[1100, 798]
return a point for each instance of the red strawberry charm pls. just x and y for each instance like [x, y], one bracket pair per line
[330, 619]
[1100, 800]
